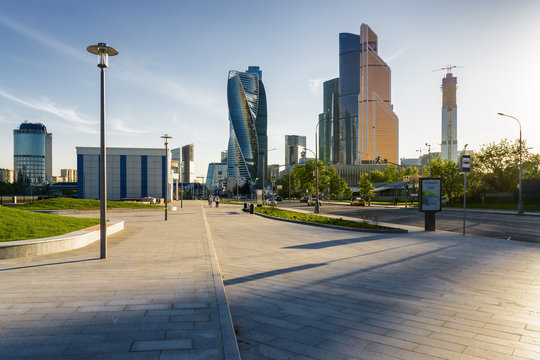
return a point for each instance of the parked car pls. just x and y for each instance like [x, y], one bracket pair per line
[304, 199]
[358, 202]
[270, 202]
[279, 198]
[445, 200]
[311, 202]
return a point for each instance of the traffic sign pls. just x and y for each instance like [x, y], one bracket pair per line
[465, 163]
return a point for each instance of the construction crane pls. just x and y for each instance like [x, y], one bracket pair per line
[448, 68]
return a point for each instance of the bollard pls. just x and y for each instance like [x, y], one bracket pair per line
[251, 208]
[245, 206]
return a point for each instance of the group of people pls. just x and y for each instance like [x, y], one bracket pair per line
[213, 199]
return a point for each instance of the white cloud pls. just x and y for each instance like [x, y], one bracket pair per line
[316, 86]
[118, 125]
[188, 95]
[44, 39]
[46, 105]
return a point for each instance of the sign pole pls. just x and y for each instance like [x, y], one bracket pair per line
[464, 201]
[465, 168]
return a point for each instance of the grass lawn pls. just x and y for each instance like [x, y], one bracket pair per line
[284, 214]
[80, 204]
[526, 207]
[22, 225]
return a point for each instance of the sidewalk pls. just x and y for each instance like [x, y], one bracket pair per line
[158, 295]
[302, 292]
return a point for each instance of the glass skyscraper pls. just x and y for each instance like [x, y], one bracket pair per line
[292, 142]
[246, 154]
[330, 135]
[349, 89]
[32, 154]
[366, 129]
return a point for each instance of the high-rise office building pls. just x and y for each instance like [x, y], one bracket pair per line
[369, 128]
[188, 167]
[261, 124]
[69, 175]
[449, 118]
[32, 155]
[292, 142]
[349, 89]
[224, 156]
[6, 175]
[378, 126]
[329, 131]
[247, 150]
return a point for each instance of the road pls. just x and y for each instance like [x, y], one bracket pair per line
[503, 226]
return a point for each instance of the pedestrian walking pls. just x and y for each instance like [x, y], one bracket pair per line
[217, 201]
[210, 200]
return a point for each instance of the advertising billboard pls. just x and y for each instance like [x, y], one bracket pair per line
[430, 194]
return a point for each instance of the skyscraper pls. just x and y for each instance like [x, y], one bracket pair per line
[261, 124]
[187, 163]
[378, 126]
[329, 131]
[349, 89]
[367, 124]
[248, 122]
[449, 118]
[32, 155]
[291, 148]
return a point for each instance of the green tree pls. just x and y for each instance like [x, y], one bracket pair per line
[452, 179]
[366, 188]
[377, 176]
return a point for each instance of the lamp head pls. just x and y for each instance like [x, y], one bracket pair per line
[103, 51]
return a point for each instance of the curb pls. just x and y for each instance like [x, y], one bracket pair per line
[228, 336]
[55, 244]
[383, 231]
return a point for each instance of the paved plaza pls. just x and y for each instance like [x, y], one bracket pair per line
[303, 292]
[294, 292]
[154, 297]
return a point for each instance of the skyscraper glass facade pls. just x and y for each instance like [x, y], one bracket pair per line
[329, 132]
[32, 155]
[349, 89]
[292, 142]
[248, 124]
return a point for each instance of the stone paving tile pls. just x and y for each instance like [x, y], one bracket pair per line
[420, 295]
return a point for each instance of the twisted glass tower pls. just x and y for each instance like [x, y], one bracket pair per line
[247, 119]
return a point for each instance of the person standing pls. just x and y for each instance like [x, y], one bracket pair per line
[217, 200]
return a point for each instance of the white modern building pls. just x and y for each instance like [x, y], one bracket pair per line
[132, 173]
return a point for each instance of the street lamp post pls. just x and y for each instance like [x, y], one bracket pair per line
[429, 157]
[166, 137]
[103, 52]
[316, 209]
[520, 196]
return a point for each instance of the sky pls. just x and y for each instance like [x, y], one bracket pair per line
[170, 75]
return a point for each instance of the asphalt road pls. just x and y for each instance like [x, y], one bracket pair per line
[504, 226]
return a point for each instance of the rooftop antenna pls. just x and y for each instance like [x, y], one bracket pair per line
[448, 68]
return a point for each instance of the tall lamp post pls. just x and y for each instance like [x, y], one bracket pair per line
[520, 199]
[316, 210]
[166, 137]
[429, 157]
[103, 52]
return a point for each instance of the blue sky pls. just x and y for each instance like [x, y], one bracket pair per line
[174, 56]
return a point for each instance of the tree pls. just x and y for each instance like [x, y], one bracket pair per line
[452, 180]
[377, 176]
[366, 188]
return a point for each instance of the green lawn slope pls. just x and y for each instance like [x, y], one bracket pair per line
[79, 204]
[22, 225]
